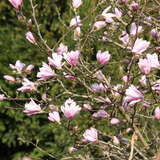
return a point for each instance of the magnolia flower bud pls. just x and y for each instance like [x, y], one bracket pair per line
[9, 78]
[134, 5]
[16, 3]
[1, 97]
[115, 140]
[76, 3]
[115, 121]
[91, 135]
[30, 37]
[157, 113]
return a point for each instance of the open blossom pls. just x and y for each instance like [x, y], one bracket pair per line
[56, 60]
[157, 113]
[45, 72]
[9, 78]
[70, 109]
[30, 37]
[99, 24]
[72, 58]
[16, 3]
[76, 3]
[118, 13]
[27, 86]
[145, 66]
[54, 116]
[124, 38]
[91, 135]
[18, 66]
[134, 29]
[103, 57]
[140, 46]
[133, 95]
[62, 49]
[75, 22]
[108, 16]
[143, 81]
[153, 59]
[32, 108]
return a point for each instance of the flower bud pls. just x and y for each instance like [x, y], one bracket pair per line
[157, 113]
[134, 5]
[9, 78]
[16, 3]
[115, 121]
[1, 97]
[76, 3]
[30, 37]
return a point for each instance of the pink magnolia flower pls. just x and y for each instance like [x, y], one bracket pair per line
[30, 37]
[99, 24]
[27, 86]
[1, 97]
[124, 38]
[143, 81]
[75, 22]
[29, 68]
[95, 87]
[56, 61]
[103, 57]
[145, 66]
[114, 121]
[87, 106]
[153, 59]
[133, 95]
[117, 90]
[54, 117]
[102, 114]
[118, 13]
[16, 3]
[45, 72]
[108, 16]
[9, 78]
[62, 49]
[134, 5]
[140, 46]
[72, 58]
[134, 29]
[72, 149]
[70, 109]
[76, 3]
[125, 79]
[157, 113]
[91, 135]
[154, 33]
[69, 77]
[18, 66]
[32, 108]
[77, 33]
[30, 21]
